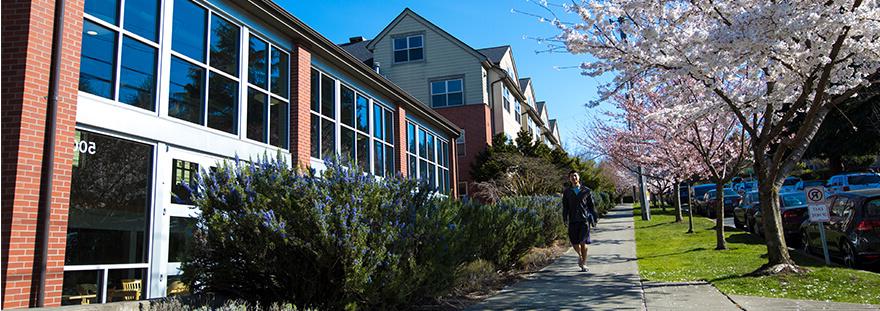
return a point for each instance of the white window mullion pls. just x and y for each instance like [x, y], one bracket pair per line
[163, 81]
[117, 70]
[337, 119]
[242, 83]
[370, 135]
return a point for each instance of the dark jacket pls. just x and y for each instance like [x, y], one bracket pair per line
[578, 207]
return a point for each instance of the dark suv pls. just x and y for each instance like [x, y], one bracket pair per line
[731, 200]
[793, 207]
[853, 234]
[699, 192]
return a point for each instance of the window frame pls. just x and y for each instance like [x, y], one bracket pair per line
[436, 164]
[244, 87]
[120, 34]
[445, 82]
[370, 166]
[407, 36]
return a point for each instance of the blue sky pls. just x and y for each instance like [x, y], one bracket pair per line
[480, 24]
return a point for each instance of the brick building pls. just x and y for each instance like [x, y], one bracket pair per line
[150, 92]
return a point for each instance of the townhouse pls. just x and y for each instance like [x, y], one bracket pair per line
[480, 90]
[110, 106]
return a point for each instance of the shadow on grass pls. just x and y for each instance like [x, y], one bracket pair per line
[672, 254]
[744, 238]
[657, 225]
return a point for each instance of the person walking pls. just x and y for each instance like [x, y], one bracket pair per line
[579, 213]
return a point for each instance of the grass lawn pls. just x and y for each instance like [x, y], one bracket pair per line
[667, 254]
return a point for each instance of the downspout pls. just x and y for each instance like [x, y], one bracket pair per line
[48, 163]
[492, 100]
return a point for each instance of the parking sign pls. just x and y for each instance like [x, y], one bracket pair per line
[816, 204]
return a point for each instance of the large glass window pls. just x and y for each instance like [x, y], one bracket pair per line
[428, 157]
[102, 230]
[103, 38]
[365, 126]
[204, 68]
[407, 49]
[268, 96]
[447, 93]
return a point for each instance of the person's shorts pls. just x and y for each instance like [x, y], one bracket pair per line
[579, 233]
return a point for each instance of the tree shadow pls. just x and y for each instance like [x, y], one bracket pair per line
[678, 253]
[744, 238]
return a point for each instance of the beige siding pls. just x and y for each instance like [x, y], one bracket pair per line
[443, 58]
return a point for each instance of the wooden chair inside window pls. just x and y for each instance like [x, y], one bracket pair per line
[130, 291]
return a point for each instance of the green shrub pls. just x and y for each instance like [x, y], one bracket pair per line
[269, 234]
[548, 210]
[500, 233]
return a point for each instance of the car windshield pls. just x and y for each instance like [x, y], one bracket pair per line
[872, 209]
[701, 190]
[813, 183]
[711, 193]
[730, 192]
[864, 179]
[753, 196]
[790, 181]
[750, 185]
[793, 199]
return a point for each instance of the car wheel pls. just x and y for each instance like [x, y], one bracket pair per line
[805, 243]
[736, 223]
[757, 230]
[849, 256]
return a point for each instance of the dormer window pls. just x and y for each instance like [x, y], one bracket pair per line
[409, 48]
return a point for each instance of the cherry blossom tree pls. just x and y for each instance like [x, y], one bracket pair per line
[713, 146]
[778, 66]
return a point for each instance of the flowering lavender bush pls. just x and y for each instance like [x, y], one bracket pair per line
[342, 239]
[549, 210]
[268, 233]
[501, 233]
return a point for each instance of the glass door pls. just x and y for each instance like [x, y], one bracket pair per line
[176, 220]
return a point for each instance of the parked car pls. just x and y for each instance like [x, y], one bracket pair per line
[745, 187]
[731, 200]
[788, 185]
[853, 181]
[807, 183]
[745, 212]
[793, 207]
[853, 234]
[698, 192]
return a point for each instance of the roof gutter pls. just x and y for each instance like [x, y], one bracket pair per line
[48, 163]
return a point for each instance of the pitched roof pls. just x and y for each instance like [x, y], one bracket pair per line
[429, 24]
[524, 83]
[359, 50]
[495, 54]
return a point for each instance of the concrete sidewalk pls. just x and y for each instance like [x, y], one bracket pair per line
[611, 284]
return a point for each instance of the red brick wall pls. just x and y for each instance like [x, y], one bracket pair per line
[300, 118]
[476, 121]
[27, 52]
[400, 157]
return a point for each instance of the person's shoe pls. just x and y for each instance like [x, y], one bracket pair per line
[584, 269]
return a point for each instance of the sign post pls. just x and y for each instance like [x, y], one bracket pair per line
[819, 214]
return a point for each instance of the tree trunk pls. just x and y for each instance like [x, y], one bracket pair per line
[778, 258]
[720, 243]
[677, 199]
[663, 198]
[835, 163]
